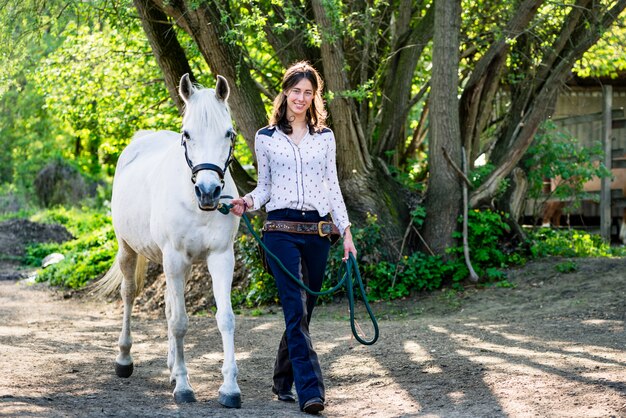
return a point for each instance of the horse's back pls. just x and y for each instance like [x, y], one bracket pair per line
[146, 146]
[142, 169]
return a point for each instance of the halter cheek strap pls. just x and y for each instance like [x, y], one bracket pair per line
[208, 166]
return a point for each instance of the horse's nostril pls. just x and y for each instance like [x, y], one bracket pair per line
[216, 192]
[198, 191]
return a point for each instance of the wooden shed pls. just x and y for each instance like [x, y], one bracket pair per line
[584, 109]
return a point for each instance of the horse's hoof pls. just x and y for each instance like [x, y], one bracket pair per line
[230, 401]
[123, 370]
[184, 396]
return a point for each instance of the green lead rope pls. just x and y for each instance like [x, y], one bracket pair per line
[351, 270]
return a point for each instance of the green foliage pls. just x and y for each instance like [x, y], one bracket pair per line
[415, 272]
[566, 267]
[259, 286]
[570, 243]
[409, 176]
[77, 221]
[87, 257]
[479, 174]
[606, 58]
[557, 155]
[13, 204]
[490, 250]
[83, 83]
[505, 284]
[384, 280]
[367, 241]
[418, 216]
[100, 124]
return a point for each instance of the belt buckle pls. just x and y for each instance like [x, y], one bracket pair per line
[320, 227]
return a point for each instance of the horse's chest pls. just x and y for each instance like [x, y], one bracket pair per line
[197, 243]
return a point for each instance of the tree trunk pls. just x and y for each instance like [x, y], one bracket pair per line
[513, 201]
[165, 46]
[482, 86]
[443, 197]
[173, 63]
[204, 24]
[367, 187]
[290, 44]
[408, 47]
[346, 126]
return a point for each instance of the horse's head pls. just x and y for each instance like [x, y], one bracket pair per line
[208, 138]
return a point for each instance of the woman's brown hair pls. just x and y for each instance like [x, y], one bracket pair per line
[316, 114]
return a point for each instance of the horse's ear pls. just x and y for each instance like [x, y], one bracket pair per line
[185, 88]
[221, 88]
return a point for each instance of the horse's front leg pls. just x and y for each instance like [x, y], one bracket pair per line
[176, 271]
[221, 266]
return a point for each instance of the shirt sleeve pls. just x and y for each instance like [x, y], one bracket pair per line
[261, 194]
[337, 204]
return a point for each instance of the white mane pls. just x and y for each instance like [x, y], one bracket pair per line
[204, 109]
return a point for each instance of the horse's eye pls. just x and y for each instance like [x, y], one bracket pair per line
[231, 134]
[186, 135]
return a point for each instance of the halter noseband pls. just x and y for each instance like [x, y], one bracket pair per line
[208, 166]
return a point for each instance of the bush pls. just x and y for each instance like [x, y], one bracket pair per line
[87, 257]
[258, 287]
[490, 247]
[59, 183]
[414, 272]
[570, 243]
[557, 155]
[491, 252]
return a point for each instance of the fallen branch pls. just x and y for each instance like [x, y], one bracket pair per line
[473, 276]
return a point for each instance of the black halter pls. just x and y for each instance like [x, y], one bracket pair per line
[208, 166]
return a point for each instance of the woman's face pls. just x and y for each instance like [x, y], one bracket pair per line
[299, 98]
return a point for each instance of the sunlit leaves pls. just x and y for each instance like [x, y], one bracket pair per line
[101, 86]
[607, 58]
[83, 84]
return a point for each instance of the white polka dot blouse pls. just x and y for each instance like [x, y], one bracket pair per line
[300, 177]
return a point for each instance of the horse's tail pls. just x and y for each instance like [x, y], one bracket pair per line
[111, 282]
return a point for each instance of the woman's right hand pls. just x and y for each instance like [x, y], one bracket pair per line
[240, 206]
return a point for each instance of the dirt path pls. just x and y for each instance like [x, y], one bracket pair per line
[553, 346]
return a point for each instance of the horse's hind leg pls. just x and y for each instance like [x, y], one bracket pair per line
[127, 259]
[176, 271]
[221, 268]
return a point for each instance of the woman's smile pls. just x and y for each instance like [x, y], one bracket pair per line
[299, 98]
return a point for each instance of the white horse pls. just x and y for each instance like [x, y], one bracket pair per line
[163, 209]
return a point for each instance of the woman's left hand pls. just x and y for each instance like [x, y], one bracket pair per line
[239, 206]
[348, 245]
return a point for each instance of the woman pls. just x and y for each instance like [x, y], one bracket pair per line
[297, 183]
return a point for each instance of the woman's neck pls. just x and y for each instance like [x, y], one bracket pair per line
[297, 122]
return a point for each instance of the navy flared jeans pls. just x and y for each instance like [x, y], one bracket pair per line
[305, 256]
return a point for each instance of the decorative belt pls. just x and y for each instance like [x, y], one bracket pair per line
[322, 228]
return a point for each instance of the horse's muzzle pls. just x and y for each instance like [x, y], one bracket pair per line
[208, 197]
